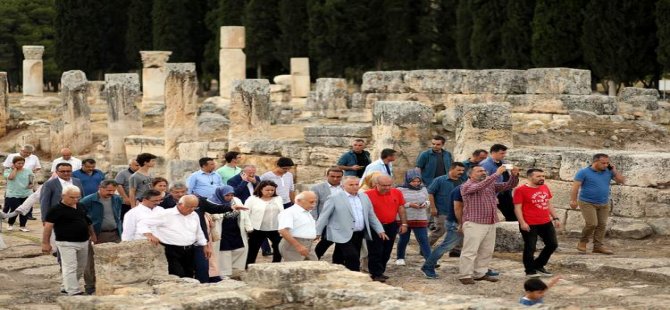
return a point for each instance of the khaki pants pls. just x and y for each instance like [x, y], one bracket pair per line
[230, 261]
[439, 229]
[73, 256]
[479, 241]
[595, 218]
[289, 253]
[89, 273]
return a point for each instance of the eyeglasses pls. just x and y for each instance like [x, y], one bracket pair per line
[64, 171]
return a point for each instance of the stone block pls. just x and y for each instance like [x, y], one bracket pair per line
[123, 116]
[551, 104]
[338, 131]
[249, 110]
[643, 97]
[300, 66]
[153, 76]
[232, 37]
[4, 103]
[508, 237]
[300, 86]
[558, 81]
[143, 144]
[232, 67]
[629, 228]
[289, 273]
[180, 170]
[33, 70]
[212, 123]
[574, 223]
[547, 160]
[72, 125]
[598, 104]
[332, 97]
[181, 107]
[128, 262]
[436, 81]
[481, 126]
[495, 81]
[561, 193]
[630, 201]
[661, 226]
[384, 82]
[193, 150]
[572, 161]
[325, 156]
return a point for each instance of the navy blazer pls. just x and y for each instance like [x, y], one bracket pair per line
[240, 186]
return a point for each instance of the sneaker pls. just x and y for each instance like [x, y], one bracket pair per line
[10, 228]
[543, 272]
[429, 273]
[23, 229]
[467, 281]
[379, 279]
[581, 247]
[32, 218]
[600, 249]
[455, 253]
[400, 262]
[530, 275]
[492, 273]
[487, 278]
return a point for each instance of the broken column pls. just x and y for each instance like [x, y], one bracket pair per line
[300, 84]
[4, 103]
[331, 98]
[482, 125]
[403, 126]
[181, 107]
[232, 60]
[249, 111]
[153, 76]
[72, 125]
[33, 70]
[123, 116]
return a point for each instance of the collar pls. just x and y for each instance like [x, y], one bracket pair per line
[131, 171]
[350, 195]
[380, 194]
[433, 151]
[61, 180]
[206, 173]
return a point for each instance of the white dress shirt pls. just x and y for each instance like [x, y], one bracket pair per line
[131, 220]
[64, 183]
[357, 206]
[299, 222]
[334, 189]
[75, 162]
[173, 228]
[32, 162]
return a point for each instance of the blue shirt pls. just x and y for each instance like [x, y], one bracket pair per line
[491, 166]
[529, 302]
[595, 185]
[468, 165]
[378, 165]
[427, 162]
[349, 159]
[441, 189]
[91, 182]
[455, 196]
[203, 184]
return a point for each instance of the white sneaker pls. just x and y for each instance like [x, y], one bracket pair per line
[10, 228]
[23, 229]
[400, 262]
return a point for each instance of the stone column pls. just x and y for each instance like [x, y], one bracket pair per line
[33, 70]
[181, 107]
[232, 60]
[331, 97]
[123, 116]
[72, 125]
[153, 76]
[4, 103]
[249, 111]
[300, 84]
[404, 126]
[482, 125]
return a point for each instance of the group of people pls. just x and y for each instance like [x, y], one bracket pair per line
[214, 224]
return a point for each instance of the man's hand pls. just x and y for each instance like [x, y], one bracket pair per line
[515, 171]
[524, 226]
[208, 251]
[302, 250]
[356, 167]
[318, 238]
[460, 229]
[433, 212]
[152, 239]
[46, 248]
[557, 223]
[414, 205]
[573, 204]
[613, 168]
[501, 169]
[383, 236]
[403, 229]
[126, 201]
[94, 239]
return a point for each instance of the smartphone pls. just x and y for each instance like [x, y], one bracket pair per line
[609, 167]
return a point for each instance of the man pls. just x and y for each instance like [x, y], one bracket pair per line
[435, 161]
[89, 176]
[477, 157]
[354, 162]
[66, 157]
[349, 218]
[537, 217]
[50, 194]
[479, 218]
[495, 160]
[593, 185]
[245, 182]
[284, 180]
[104, 210]
[298, 229]
[383, 164]
[140, 181]
[323, 191]
[123, 187]
[204, 182]
[31, 163]
[439, 192]
[148, 206]
[178, 230]
[230, 169]
[388, 204]
[73, 231]
[177, 190]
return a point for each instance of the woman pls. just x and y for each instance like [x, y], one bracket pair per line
[416, 204]
[19, 187]
[264, 206]
[369, 182]
[160, 184]
[229, 232]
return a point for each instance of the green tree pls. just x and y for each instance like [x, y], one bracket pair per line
[293, 40]
[10, 51]
[488, 17]
[619, 40]
[436, 38]
[557, 28]
[261, 29]
[516, 34]
[219, 13]
[178, 26]
[464, 32]
[77, 38]
[663, 33]
[400, 35]
[139, 36]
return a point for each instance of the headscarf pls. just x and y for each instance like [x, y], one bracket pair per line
[219, 195]
[411, 175]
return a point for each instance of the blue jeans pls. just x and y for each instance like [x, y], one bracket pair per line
[421, 235]
[451, 239]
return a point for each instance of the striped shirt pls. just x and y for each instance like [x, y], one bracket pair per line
[480, 198]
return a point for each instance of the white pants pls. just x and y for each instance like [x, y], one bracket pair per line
[229, 260]
[73, 256]
[479, 241]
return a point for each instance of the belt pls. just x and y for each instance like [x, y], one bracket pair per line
[183, 247]
[110, 230]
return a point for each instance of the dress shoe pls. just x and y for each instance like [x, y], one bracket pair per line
[602, 250]
[581, 247]
[467, 281]
[379, 279]
[487, 278]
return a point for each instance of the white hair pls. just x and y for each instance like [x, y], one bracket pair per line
[303, 195]
[70, 189]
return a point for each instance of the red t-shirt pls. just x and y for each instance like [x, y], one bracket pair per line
[386, 205]
[534, 203]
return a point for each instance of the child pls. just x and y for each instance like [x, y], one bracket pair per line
[535, 290]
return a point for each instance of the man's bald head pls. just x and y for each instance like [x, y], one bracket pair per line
[384, 183]
[66, 153]
[306, 199]
[187, 204]
[133, 165]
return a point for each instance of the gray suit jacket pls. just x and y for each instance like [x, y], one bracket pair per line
[322, 191]
[338, 217]
[51, 193]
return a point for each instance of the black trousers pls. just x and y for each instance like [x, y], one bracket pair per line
[323, 246]
[379, 251]
[350, 251]
[11, 203]
[548, 235]
[180, 260]
[124, 209]
[506, 206]
[256, 238]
